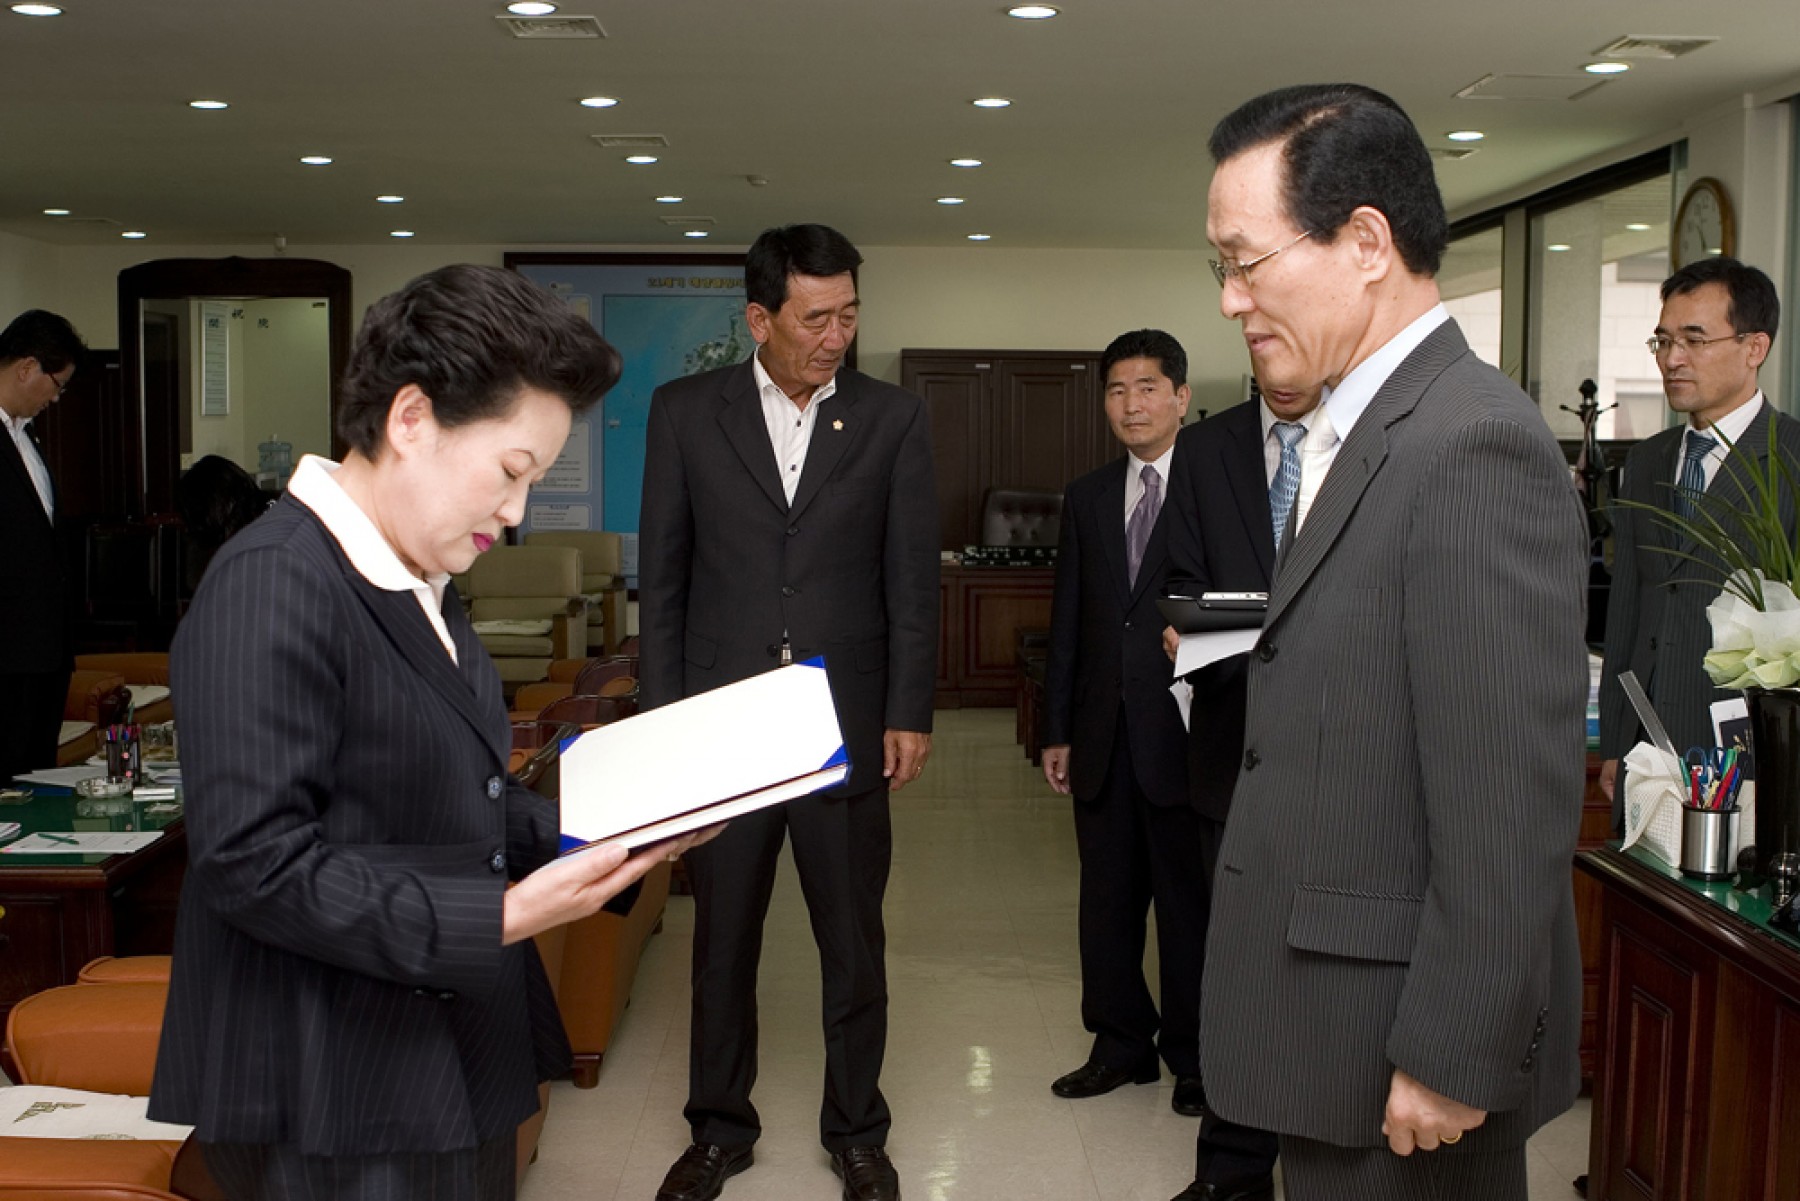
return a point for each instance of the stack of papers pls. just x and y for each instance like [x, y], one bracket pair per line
[76, 842]
[704, 760]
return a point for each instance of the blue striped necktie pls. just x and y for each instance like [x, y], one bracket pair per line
[1693, 472]
[1287, 477]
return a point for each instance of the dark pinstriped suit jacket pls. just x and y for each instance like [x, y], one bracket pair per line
[34, 600]
[1656, 621]
[1394, 885]
[339, 982]
[1106, 646]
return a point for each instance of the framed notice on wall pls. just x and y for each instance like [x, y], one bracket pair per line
[669, 316]
[215, 358]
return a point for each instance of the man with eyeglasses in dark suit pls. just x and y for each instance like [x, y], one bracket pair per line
[38, 355]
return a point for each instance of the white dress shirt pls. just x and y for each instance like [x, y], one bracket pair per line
[1344, 404]
[34, 462]
[1134, 478]
[790, 427]
[364, 545]
[1317, 450]
[1734, 425]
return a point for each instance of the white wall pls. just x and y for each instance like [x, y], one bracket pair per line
[28, 279]
[287, 377]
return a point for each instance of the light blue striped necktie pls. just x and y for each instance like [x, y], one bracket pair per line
[1693, 472]
[1287, 477]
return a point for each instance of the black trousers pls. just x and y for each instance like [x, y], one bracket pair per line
[843, 848]
[1315, 1171]
[277, 1172]
[31, 713]
[1225, 1152]
[1135, 854]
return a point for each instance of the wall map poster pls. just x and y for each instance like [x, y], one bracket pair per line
[669, 317]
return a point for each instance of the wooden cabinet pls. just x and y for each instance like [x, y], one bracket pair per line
[1596, 828]
[982, 610]
[1006, 419]
[1697, 1093]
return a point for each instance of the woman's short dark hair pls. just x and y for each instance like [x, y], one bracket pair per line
[44, 336]
[1147, 344]
[471, 338]
[816, 250]
[1344, 146]
[1754, 306]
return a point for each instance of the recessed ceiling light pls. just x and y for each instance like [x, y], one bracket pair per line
[1607, 68]
[1637, 227]
[400, 233]
[598, 102]
[37, 10]
[697, 233]
[389, 198]
[208, 105]
[668, 200]
[530, 8]
[992, 102]
[1557, 247]
[134, 233]
[965, 162]
[56, 212]
[1031, 12]
[980, 237]
[950, 199]
[640, 160]
[316, 160]
[1465, 135]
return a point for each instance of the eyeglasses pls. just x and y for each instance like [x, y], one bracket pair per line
[1231, 269]
[61, 384]
[1661, 344]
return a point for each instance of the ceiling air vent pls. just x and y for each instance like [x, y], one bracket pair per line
[630, 141]
[1451, 154]
[553, 27]
[1645, 45]
[1530, 87]
[108, 222]
[691, 222]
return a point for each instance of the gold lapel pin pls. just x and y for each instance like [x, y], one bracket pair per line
[837, 425]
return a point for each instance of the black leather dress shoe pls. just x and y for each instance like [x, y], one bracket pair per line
[868, 1174]
[1190, 1097]
[701, 1172]
[1093, 1079]
[1262, 1188]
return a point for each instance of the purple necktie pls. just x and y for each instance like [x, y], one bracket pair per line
[1143, 518]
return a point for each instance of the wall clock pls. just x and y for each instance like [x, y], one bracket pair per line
[1703, 224]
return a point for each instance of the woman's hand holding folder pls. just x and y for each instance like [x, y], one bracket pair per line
[574, 886]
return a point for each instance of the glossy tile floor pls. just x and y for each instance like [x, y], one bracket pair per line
[984, 1013]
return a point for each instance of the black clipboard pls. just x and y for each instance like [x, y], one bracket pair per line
[1213, 611]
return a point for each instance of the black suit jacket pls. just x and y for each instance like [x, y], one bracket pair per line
[849, 570]
[339, 982]
[1656, 622]
[1220, 540]
[1106, 647]
[34, 590]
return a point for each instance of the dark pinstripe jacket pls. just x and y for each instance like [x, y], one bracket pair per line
[1394, 885]
[339, 983]
[34, 594]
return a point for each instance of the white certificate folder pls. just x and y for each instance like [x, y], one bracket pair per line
[700, 761]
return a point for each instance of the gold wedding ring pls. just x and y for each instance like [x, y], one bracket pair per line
[1448, 1139]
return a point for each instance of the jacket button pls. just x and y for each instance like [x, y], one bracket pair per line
[1128, 625]
[1266, 651]
[446, 995]
[773, 649]
[497, 861]
[787, 590]
[1653, 642]
[792, 530]
[1528, 1064]
[494, 787]
[1251, 759]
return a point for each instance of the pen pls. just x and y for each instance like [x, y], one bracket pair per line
[63, 839]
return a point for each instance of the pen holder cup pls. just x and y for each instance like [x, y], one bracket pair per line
[116, 761]
[1708, 842]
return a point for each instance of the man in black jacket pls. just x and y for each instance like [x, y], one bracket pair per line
[790, 511]
[38, 355]
[1113, 738]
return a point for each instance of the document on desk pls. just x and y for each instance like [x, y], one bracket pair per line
[1203, 650]
[80, 842]
[759, 742]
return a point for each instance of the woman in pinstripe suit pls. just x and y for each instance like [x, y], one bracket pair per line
[357, 1009]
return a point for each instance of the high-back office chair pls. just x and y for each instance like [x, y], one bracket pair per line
[1021, 517]
[539, 587]
[602, 580]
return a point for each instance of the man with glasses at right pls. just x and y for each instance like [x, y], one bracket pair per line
[1718, 319]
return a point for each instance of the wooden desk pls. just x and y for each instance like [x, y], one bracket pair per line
[980, 611]
[60, 911]
[1698, 1090]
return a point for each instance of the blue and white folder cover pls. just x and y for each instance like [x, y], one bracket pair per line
[704, 760]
